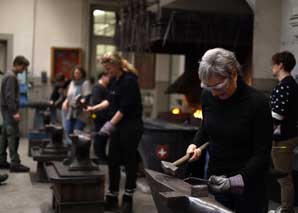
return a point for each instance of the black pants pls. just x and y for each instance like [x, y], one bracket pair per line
[10, 138]
[100, 141]
[123, 151]
[254, 199]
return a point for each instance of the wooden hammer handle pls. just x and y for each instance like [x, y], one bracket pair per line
[202, 147]
[182, 159]
[188, 155]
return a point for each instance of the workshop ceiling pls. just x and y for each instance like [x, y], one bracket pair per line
[220, 6]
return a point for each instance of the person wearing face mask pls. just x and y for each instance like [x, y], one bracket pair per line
[284, 103]
[11, 116]
[238, 124]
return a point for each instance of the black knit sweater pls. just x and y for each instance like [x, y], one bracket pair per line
[240, 133]
[284, 103]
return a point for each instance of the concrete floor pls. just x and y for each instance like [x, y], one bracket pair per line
[19, 194]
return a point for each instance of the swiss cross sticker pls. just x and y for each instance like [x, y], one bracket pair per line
[162, 152]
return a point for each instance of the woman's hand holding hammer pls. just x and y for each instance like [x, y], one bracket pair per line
[194, 152]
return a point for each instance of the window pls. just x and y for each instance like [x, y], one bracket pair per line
[101, 49]
[104, 23]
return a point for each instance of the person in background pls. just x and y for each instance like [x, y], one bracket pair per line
[238, 124]
[99, 94]
[125, 128]
[76, 118]
[284, 103]
[11, 116]
[58, 95]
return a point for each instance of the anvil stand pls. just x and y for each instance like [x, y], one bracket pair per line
[40, 137]
[53, 151]
[78, 187]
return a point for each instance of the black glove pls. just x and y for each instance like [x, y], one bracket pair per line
[233, 184]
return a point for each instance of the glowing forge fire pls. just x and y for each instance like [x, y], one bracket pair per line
[198, 114]
[176, 111]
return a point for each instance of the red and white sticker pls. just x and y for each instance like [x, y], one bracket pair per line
[162, 152]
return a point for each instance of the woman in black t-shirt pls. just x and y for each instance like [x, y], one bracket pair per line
[99, 94]
[125, 128]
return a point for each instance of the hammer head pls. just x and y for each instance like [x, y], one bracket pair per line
[169, 168]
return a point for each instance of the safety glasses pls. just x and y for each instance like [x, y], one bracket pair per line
[218, 87]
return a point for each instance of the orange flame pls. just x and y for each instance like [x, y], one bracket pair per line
[176, 111]
[198, 114]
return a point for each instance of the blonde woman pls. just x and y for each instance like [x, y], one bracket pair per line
[125, 128]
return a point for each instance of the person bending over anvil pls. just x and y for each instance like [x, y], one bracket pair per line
[237, 121]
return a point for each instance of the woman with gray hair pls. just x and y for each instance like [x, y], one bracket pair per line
[238, 124]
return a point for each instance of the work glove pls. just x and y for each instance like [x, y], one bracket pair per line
[220, 184]
[107, 129]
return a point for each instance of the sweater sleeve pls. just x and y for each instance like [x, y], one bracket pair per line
[262, 129]
[86, 89]
[55, 94]
[11, 95]
[201, 135]
[280, 102]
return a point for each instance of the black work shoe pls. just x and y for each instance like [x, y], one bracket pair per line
[3, 177]
[111, 203]
[4, 165]
[67, 161]
[18, 168]
[127, 204]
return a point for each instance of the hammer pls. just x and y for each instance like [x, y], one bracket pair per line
[80, 104]
[171, 168]
[86, 134]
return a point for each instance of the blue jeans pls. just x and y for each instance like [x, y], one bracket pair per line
[71, 125]
[56, 116]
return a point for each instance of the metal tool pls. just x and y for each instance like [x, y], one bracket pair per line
[279, 147]
[86, 134]
[196, 181]
[79, 102]
[171, 168]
